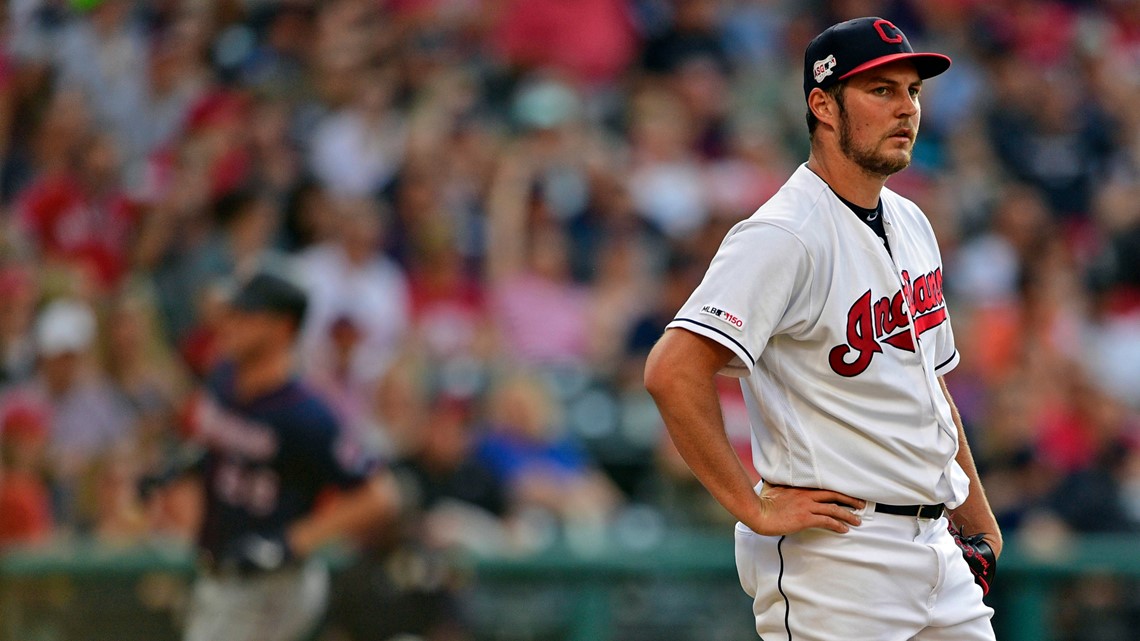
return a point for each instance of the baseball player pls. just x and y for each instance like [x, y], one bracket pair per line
[827, 303]
[270, 447]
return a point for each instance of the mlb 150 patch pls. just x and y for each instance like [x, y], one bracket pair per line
[724, 315]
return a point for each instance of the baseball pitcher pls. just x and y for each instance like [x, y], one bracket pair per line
[827, 303]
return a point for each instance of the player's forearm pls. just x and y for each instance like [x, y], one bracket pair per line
[697, 430]
[366, 506]
[975, 514]
[690, 407]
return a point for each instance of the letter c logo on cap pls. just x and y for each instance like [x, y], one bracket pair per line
[882, 25]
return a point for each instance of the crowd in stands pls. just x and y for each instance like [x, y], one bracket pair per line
[497, 205]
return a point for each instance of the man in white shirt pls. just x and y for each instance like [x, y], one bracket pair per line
[827, 304]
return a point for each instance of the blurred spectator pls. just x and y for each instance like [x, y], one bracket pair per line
[1020, 282]
[620, 282]
[412, 589]
[117, 516]
[244, 224]
[19, 292]
[88, 416]
[146, 373]
[229, 240]
[692, 57]
[541, 468]
[400, 407]
[199, 347]
[1044, 136]
[1022, 482]
[990, 265]
[549, 114]
[104, 56]
[677, 493]
[666, 180]
[609, 217]
[541, 314]
[681, 275]
[749, 172]
[1079, 426]
[77, 215]
[213, 157]
[25, 500]
[277, 162]
[357, 150]
[458, 494]
[1091, 446]
[591, 40]
[694, 33]
[308, 216]
[449, 310]
[177, 79]
[202, 190]
[349, 279]
[278, 66]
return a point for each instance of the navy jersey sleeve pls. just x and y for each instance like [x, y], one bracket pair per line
[334, 454]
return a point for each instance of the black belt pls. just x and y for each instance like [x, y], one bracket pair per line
[916, 511]
[208, 565]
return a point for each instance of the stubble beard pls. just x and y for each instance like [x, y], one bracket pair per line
[868, 158]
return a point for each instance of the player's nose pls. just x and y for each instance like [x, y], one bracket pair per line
[907, 106]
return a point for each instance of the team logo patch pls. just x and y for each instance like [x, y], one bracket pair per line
[823, 68]
[723, 315]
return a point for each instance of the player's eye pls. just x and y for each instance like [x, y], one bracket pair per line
[881, 91]
[914, 91]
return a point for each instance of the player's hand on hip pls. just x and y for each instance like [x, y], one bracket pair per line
[787, 510]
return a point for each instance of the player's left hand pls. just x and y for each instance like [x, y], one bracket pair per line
[979, 555]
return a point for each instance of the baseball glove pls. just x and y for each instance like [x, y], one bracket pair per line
[979, 556]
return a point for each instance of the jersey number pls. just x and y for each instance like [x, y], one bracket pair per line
[255, 489]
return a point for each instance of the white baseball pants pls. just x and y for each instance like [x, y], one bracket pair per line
[893, 578]
[279, 606]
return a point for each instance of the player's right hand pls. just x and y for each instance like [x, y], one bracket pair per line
[257, 553]
[787, 510]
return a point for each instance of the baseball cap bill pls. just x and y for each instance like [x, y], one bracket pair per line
[266, 292]
[851, 47]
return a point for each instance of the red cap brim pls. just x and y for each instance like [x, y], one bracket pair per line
[927, 64]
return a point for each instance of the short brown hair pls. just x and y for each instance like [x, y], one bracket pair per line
[836, 92]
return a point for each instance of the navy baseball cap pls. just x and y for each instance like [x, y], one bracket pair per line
[851, 47]
[266, 292]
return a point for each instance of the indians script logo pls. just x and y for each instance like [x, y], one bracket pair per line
[872, 323]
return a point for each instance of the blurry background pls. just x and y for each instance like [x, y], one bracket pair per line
[497, 205]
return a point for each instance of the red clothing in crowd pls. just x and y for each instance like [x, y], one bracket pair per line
[68, 225]
[592, 40]
[449, 317]
[26, 509]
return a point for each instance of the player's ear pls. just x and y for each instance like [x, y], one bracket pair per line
[824, 107]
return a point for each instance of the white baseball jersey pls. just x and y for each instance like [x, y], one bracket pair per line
[838, 344]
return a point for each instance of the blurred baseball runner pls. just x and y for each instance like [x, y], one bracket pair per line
[271, 447]
[828, 304]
